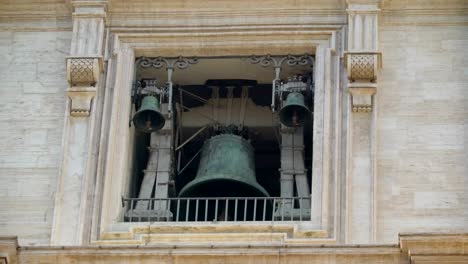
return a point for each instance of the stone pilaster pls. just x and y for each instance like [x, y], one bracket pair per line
[84, 67]
[362, 61]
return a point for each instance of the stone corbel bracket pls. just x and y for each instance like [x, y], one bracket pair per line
[361, 97]
[82, 75]
[362, 66]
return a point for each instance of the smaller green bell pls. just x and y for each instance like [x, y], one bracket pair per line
[294, 112]
[149, 118]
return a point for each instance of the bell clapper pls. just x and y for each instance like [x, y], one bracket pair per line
[295, 119]
[148, 124]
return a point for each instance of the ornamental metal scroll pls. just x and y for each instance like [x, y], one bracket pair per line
[170, 64]
[159, 62]
[277, 62]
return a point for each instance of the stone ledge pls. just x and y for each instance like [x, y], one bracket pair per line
[435, 247]
[139, 233]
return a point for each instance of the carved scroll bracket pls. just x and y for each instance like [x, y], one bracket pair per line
[83, 75]
[361, 97]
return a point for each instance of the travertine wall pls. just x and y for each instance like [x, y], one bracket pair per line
[422, 109]
[32, 107]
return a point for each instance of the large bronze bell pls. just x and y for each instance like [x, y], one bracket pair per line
[226, 169]
[294, 112]
[149, 118]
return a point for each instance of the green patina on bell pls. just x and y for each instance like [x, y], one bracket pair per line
[226, 169]
[294, 112]
[149, 118]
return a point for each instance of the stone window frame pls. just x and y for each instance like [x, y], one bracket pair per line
[330, 111]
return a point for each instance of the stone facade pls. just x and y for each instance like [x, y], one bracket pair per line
[391, 116]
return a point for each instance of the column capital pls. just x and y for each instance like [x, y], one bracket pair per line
[364, 2]
[89, 8]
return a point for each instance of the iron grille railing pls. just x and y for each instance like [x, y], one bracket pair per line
[209, 209]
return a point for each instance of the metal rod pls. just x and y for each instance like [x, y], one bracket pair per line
[255, 209]
[235, 209]
[178, 210]
[300, 209]
[201, 99]
[216, 209]
[169, 82]
[245, 209]
[191, 137]
[189, 162]
[206, 209]
[264, 208]
[282, 209]
[187, 210]
[226, 210]
[168, 210]
[200, 114]
[273, 210]
[196, 210]
[292, 209]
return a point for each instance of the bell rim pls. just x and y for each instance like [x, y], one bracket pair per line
[225, 177]
[161, 124]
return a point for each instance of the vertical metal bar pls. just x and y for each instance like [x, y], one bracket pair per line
[226, 211]
[245, 209]
[131, 211]
[216, 209]
[178, 210]
[139, 217]
[235, 209]
[273, 210]
[300, 209]
[255, 210]
[187, 210]
[196, 209]
[206, 209]
[158, 209]
[282, 209]
[168, 211]
[292, 209]
[264, 208]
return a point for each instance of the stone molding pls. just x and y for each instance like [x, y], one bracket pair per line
[206, 42]
[8, 250]
[416, 248]
[432, 248]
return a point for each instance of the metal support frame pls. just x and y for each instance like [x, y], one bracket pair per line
[171, 64]
[277, 62]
